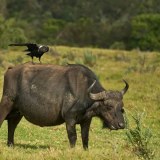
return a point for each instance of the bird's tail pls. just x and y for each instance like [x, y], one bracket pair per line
[18, 44]
[26, 50]
[29, 54]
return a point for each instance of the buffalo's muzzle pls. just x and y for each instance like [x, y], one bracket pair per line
[121, 125]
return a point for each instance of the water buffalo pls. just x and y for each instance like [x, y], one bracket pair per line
[49, 95]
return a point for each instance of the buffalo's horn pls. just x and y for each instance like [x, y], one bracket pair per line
[89, 89]
[98, 96]
[125, 88]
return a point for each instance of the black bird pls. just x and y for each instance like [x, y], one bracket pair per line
[33, 49]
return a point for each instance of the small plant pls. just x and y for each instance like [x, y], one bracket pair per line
[70, 56]
[78, 61]
[139, 138]
[142, 63]
[64, 61]
[121, 57]
[89, 58]
[142, 66]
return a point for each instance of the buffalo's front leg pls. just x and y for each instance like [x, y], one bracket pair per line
[72, 135]
[85, 125]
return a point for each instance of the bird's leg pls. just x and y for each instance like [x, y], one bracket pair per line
[40, 60]
[32, 61]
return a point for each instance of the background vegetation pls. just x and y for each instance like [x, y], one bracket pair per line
[113, 24]
[105, 23]
[141, 139]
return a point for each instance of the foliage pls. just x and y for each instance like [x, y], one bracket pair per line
[118, 45]
[51, 30]
[9, 32]
[143, 66]
[89, 59]
[140, 137]
[145, 32]
[104, 23]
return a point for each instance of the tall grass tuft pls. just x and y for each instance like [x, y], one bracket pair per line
[139, 138]
[121, 57]
[89, 58]
[143, 65]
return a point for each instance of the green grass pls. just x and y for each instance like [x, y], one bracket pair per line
[143, 76]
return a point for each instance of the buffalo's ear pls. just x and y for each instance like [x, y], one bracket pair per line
[92, 110]
[94, 106]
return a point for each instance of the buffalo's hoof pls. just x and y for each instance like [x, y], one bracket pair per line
[10, 144]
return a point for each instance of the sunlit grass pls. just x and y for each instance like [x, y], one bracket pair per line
[33, 142]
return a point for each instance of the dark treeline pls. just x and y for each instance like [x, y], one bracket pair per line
[121, 24]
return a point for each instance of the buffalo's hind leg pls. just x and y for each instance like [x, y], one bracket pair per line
[5, 108]
[13, 121]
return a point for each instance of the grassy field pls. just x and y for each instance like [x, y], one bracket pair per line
[142, 72]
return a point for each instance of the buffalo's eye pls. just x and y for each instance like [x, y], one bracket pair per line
[122, 110]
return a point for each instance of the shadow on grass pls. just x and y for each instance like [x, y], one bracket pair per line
[30, 146]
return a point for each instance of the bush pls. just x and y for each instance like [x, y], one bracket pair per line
[10, 33]
[89, 59]
[145, 32]
[139, 138]
[51, 31]
[118, 45]
[69, 55]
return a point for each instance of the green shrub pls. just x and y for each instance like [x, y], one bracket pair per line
[10, 33]
[89, 58]
[69, 55]
[139, 138]
[145, 32]
[78, 61]
[118, 45]
[64, 61]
